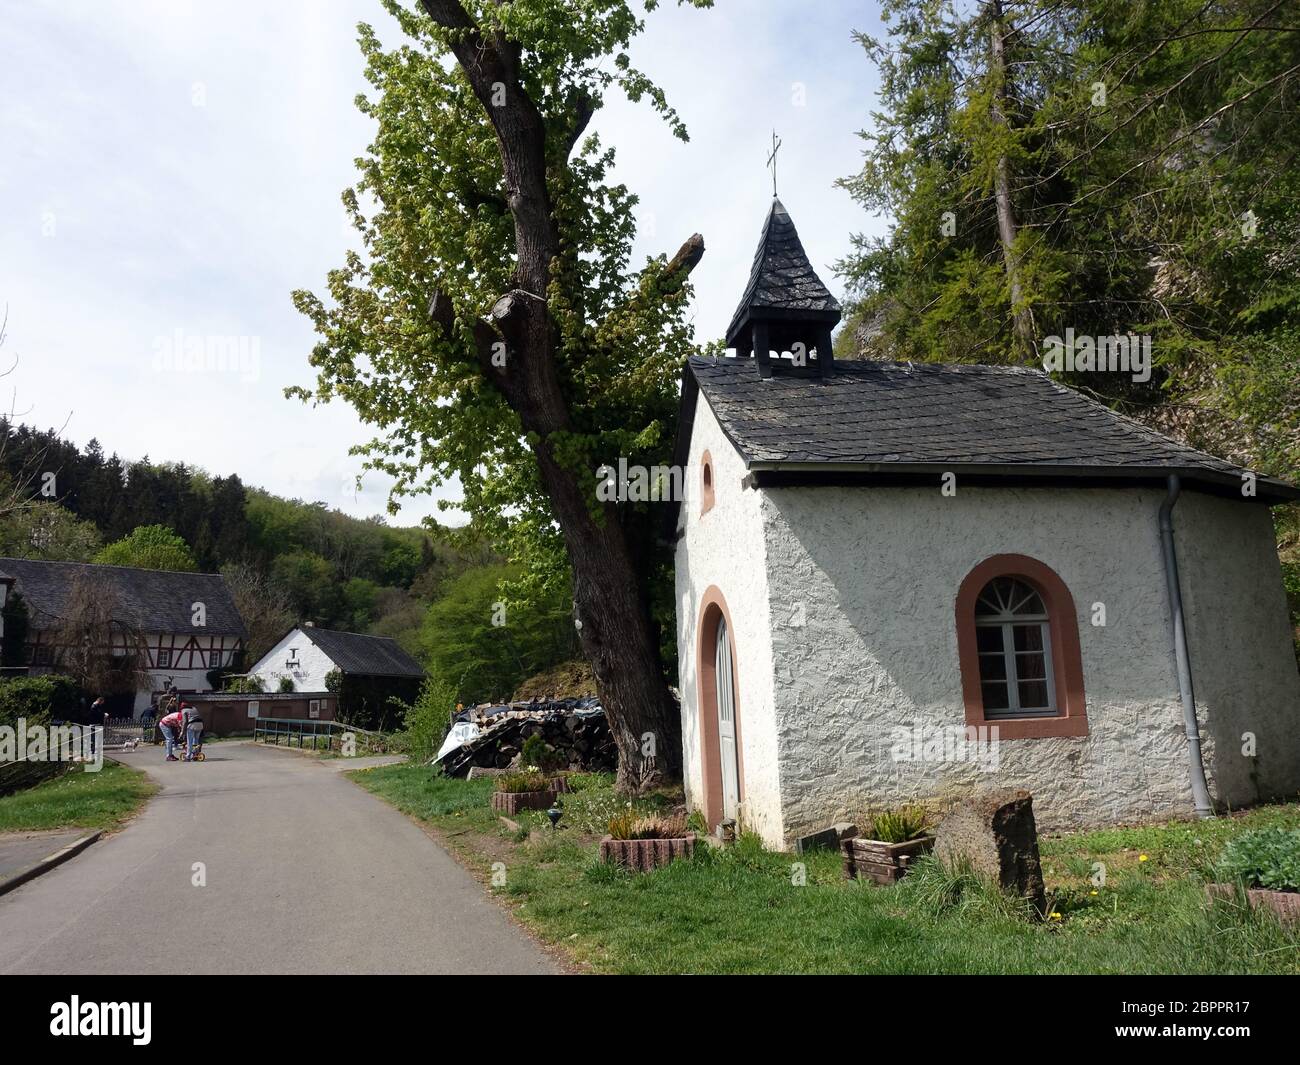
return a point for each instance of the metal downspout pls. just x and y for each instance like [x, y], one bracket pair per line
[1200, 790]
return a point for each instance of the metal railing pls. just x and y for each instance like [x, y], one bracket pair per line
[318, 735]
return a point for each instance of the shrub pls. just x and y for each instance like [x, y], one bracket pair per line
[39, 699]
[527, 780]
[286, 684]
[536, 751]
[1265, 858]
[628, 824]
[900, 825]
[426, 721]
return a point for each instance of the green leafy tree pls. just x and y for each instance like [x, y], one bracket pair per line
[149, 547]
[485, 643]
[47, 531]
[494, 327]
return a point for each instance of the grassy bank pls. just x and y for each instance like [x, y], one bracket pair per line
[746, 910]
[78, 799]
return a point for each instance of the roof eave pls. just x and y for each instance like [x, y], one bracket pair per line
[769, 473]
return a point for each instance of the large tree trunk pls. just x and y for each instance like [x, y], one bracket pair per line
[1022, 317]
[616, 632]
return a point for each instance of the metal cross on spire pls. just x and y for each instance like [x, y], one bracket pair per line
[771, 159]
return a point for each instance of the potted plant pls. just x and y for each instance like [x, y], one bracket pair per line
[528, 789]
[1265, 864]
[896, 838]
[643, 843]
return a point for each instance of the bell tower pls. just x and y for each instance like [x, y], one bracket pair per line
[786, 315]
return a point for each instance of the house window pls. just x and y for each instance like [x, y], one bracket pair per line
[1014, 640]
[1018, 647]
[42, 655]
[165, 658]
[706, 483]
[214, 659]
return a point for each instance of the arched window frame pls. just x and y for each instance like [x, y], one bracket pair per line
[706, 483]
[1069, 712]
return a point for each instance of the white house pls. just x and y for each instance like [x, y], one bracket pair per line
[307, 655]
[179, 627]
[897, 582]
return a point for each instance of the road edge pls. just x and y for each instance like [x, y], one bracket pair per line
[49, 862]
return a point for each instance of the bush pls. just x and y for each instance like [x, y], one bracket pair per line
[899, 826]
[39, 699]
[286, 684]
[536, 751]
[426, 721]
[1265, 858]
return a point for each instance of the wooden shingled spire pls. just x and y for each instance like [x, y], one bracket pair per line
[785, 308]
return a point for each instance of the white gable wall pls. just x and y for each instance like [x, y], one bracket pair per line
[1239, 638]
[725, 547]
[308, 675]
[877, 571]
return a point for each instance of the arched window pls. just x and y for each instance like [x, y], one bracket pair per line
[706, 483]
[1015, 648]
[1018, 645]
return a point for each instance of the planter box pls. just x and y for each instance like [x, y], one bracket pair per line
[511, 802]
[645, 854]
[560, 785]
[1286, 904]
[885, 863]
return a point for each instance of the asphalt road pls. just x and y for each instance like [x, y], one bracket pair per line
[305, 873]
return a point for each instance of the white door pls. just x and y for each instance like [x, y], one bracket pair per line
[727, 722]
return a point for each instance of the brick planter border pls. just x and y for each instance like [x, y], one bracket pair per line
[1286, 904]
[511, 802]
[885, 863]
[643, 855]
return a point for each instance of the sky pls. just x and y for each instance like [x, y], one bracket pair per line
[171, 171]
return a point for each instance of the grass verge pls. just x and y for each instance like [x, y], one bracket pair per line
[78, 799]
[747, 910]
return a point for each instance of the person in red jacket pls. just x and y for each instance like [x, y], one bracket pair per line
[171, 730]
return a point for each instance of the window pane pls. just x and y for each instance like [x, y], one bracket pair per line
[1028, 637]
[995, 696]
[993, 667]
[1033, 695]
[988, 638]
[1031, 667]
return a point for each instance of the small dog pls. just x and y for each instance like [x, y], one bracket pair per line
[130, 745]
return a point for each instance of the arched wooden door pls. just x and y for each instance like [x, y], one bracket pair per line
[724, 677]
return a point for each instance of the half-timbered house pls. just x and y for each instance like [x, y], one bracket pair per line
[178, 629]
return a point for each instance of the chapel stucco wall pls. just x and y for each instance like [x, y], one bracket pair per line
[1238, 633]
[724, 548]
[863, 584]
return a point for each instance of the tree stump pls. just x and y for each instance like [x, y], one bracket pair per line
[994, 832]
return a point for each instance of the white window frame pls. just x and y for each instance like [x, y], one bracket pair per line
[1007, 622]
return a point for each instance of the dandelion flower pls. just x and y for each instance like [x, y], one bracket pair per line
[1142, 858]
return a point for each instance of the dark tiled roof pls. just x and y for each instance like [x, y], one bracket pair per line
[371, 656]
[888, 417]
[782, 279]
[150, 600]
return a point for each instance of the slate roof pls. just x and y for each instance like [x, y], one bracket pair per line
[371, 656]
[782, 280]
[887, 418]
[148, 599]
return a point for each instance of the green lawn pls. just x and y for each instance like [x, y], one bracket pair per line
[742, 911]
[78, 799]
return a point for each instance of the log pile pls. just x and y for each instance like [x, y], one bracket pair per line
[581, 740]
